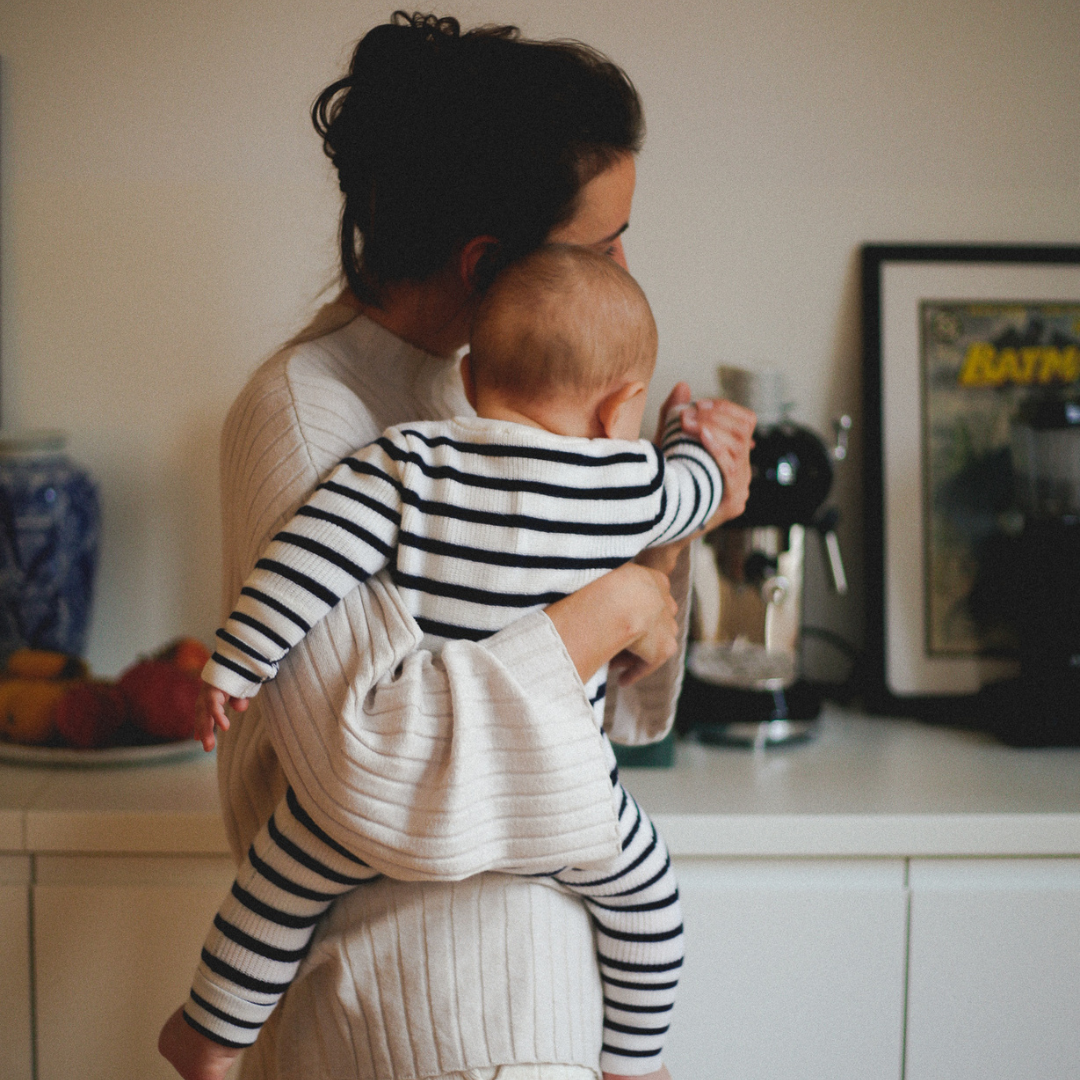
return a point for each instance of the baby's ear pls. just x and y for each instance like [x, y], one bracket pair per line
[612, 406]
[468, 379]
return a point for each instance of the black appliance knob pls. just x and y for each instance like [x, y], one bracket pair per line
[791, 474]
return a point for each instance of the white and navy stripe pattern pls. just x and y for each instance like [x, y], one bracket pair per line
[294, 871]
[481, 522]
[634, 904]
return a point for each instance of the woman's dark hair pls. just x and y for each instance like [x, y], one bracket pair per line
[440, 136]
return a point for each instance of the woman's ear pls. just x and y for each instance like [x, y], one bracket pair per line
[472, 255]
[468, 379]
[619, 413]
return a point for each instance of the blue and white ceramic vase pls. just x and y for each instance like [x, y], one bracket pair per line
[49, 528]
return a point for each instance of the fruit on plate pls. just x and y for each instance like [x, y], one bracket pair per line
[49, 698]
[186, 653]
[90, 713]
[44, 664]
[28, 709]
[161, 698]
[31, 684]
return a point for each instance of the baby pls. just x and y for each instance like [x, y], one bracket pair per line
[479, 520]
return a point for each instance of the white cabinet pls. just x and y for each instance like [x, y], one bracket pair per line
[994, 987]
[15, 1040]
[116, 940]
[804, 876]
[794, 968]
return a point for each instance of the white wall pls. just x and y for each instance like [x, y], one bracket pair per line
[168, 215]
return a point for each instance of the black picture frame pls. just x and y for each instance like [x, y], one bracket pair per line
[895, 277]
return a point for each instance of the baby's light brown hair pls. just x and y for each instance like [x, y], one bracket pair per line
[562, 320]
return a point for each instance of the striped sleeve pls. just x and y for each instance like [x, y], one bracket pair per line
[692, 486]
[341, 536]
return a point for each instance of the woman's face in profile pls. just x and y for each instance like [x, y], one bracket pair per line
[603, 211]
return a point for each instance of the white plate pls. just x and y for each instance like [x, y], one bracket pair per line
[68, 757]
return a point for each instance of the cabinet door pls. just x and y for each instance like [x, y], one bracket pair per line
[994, 988]
[116, 940]
[794, 968]
[15, 1058]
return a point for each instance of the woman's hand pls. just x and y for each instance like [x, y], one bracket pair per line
[628, 616]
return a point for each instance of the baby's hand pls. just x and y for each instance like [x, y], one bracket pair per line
[210, 713]
[192, 1054]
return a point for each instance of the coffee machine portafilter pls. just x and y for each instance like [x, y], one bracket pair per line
[743, 684]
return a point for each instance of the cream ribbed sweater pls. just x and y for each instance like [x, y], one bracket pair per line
[410, 980]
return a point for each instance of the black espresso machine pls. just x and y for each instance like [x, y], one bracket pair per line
[1030, 581]
[743, 684]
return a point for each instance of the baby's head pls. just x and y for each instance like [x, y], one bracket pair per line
[562, 328]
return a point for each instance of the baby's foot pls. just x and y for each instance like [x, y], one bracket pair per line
[192, 1054]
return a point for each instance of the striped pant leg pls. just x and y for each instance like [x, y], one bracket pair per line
[292, 873]
[634, 903]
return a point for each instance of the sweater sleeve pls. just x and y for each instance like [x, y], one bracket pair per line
[643, 712]
[500, 764]
[341, 536]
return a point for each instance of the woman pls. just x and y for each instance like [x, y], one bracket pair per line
[456, 153]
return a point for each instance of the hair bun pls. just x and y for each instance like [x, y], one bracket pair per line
[431, 29]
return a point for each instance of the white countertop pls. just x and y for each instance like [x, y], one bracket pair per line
[163, 809]
[867, 787]
[861, 788]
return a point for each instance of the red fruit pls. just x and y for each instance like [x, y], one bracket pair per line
[90, 714]
[187, 654]
[162, 698]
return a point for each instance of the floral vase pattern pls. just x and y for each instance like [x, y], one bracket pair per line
[49, 530]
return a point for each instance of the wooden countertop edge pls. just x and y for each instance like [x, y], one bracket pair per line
[124, 832]
[930, 835]
[12, 830]
[712, 835]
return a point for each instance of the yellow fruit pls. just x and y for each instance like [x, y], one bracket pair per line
[43, 664]
[28, 709]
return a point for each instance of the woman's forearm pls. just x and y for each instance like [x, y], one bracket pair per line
[629, 610]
